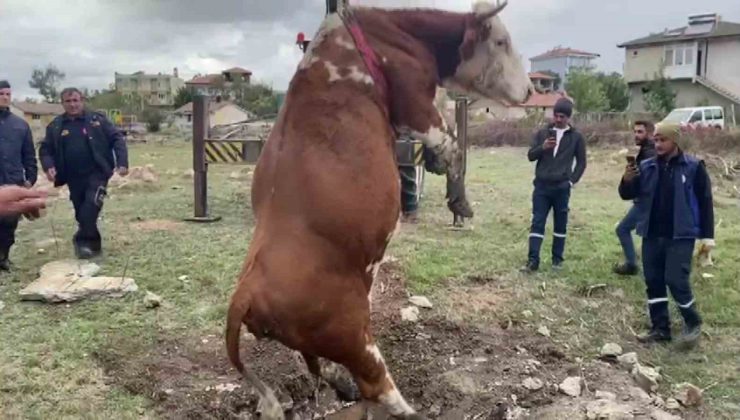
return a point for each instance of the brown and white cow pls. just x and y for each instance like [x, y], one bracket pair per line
[325, 192]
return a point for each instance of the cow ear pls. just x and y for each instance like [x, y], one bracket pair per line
[470, 38]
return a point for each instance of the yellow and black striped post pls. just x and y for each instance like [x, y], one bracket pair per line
[224, 151]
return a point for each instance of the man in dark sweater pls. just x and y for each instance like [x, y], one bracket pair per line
[643, 139]
[17, 166]
[554, 148]
[674, 209]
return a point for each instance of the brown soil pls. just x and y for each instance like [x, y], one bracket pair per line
[445, 369]
[157, 225]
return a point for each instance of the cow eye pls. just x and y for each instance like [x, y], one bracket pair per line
[500, 43]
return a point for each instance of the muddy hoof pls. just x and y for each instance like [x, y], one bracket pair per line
[461, 208]
[346, 390]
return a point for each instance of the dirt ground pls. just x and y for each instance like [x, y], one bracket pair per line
[445, 369]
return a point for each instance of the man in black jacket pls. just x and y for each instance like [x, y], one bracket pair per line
[643, 139]
[674, 210]
[82, 149]
[17, 165]
[554, 148]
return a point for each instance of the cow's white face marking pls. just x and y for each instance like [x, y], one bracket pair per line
[354, 75]
[359, 76]
[331, 22]
[333, 72]
[344, 43]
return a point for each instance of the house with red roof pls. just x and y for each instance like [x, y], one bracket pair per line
[214, 84]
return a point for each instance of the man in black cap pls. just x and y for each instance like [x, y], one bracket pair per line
[17, 166]
[554, 148]
[82, 149]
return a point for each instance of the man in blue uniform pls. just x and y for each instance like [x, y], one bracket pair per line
[82, 149]
[674, 210]
[17, 166]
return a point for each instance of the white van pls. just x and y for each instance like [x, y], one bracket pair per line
[701, 116]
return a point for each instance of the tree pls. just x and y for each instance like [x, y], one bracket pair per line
[586, 90]
[257, 98]
[182, 97]
[660, 98]
[153, 118]
[46, 81]
[616, 91]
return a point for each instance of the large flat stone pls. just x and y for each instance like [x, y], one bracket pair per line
[73, 280]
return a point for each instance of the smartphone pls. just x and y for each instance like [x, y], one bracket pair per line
[551, 133]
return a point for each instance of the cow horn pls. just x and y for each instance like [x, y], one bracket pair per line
[484, 15]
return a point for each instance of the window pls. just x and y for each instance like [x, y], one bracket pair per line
[695, 117]
[708, 116]
[717, 114]
[669, 57]
[36, 117]
[679, 55]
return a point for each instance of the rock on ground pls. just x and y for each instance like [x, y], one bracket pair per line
[420, 301]
[571, 386]
[672, 404]
[72, 280]
[2, 305]
[152, 301]
[657, 414]
[544, 331]
[628, 361]
[608, 410]
[689, 395]
[605, 395]
[533, 384]
[646, 378]
[410, 314]
[611, 350]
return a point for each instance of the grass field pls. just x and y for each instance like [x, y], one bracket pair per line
[48, 363]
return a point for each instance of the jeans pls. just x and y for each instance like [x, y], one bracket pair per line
[624, 233]
[544, 198]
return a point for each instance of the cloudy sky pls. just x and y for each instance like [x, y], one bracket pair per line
[91, 39]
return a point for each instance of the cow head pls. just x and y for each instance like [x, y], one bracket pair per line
[490, 66]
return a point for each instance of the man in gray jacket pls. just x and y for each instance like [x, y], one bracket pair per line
[554, 148]
[17, 165]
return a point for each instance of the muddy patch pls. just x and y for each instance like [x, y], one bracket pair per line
[446, 369]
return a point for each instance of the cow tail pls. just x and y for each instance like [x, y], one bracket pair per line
[237, 311]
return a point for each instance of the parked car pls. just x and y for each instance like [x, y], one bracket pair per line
[697, 117]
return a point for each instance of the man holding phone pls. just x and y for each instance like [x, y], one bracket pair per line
[555, 149]
[643, 131]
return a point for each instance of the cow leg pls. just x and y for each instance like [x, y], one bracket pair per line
[334, 375]
[376, 383]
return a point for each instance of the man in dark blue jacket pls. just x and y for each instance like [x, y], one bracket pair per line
[554, 148]
[82, 149]
[643, 139]
[17, 165]
[675, 209]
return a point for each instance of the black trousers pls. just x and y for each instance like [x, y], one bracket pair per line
[8, 225]
[545, 198]
[667, 264]
[87, 194]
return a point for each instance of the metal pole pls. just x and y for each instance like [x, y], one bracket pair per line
[461, 121]
[200, 167]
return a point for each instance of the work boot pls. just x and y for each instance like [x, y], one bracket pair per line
[654, 336]
[410, 217]
[689, 337]
[626, 269]
[530, 267]
[84, 252]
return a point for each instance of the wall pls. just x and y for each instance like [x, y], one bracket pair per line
[723, 64]
[228, 115]
[642, 63]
